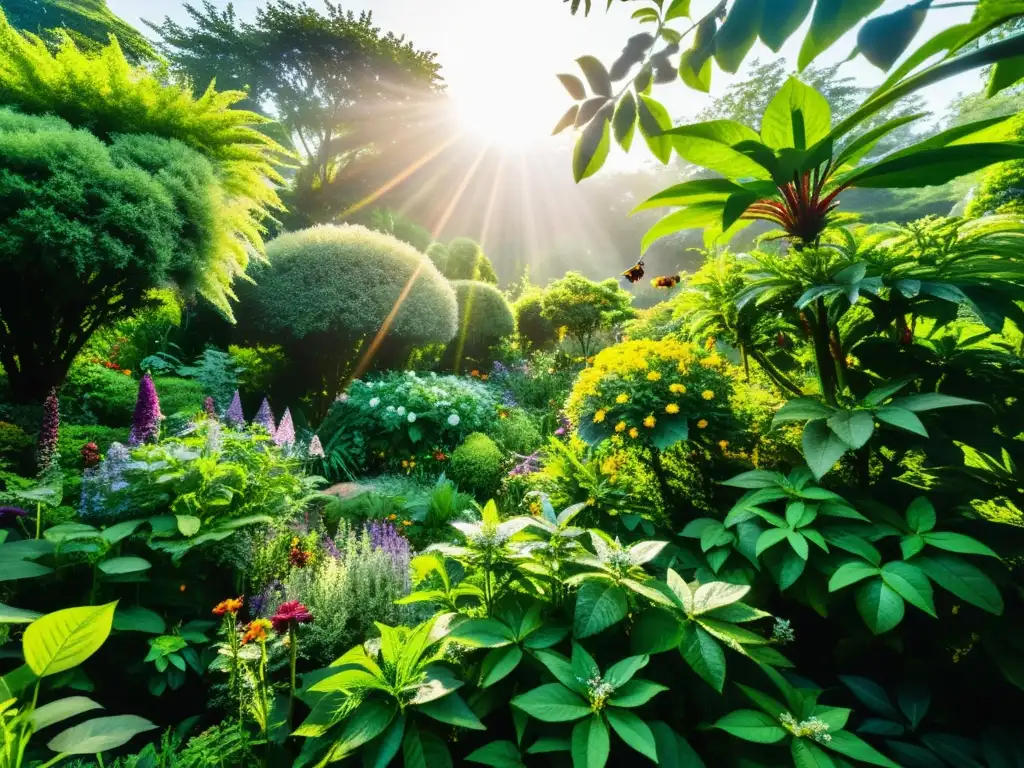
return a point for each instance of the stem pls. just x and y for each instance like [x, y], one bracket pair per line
[26, 728]
[39, 519]
[99, 759]
[822, 354]
[54, 760]
[293, 647]
[778, 377]
[746, 363]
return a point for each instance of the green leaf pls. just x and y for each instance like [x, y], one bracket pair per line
[780, 19]
[851, 573]
[703, 653]
[769, 539]
[549, 744]
[135, 618]
[822, 447]
[561, 668]
[902, 418]
[591, 149]
[846, 743]
[382, 750]
[120, 531]
[806, 754]
[567, 119]
[716, 594]
[931, 167]
[690, 192]
[798, 543]
[797, 117]
[11, 615]
[673, 750]
[695, 69]
[801, 409]
[910, 583]
[853, 427]
[590, 743]
[710, 145]
[453, 710]
[669, 432]
[879, 605]
[635, 693]
[574, 86]
[552, 703]
[752, 725]
[12, 570]
[634, 731]
[599, 605]
[64, 639]
[754, 479]
[421, 749]
[100, 734]
[871, 694]
[956, 575]
[920, 515]
[596, 74]
[188, 525]
[62, 709]
[737, 34]
[695, 216]
[483, 633]
[884, 39]
[914, 701]
[654, 121]
[624, 121]
[957, 542]
[1005, 74]
[831, 20]
[622, 672]
[120, 565]
[655, 631]
[498, 664]
[367, 722]
[500, 754]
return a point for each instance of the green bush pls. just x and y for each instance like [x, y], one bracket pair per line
[1002, 186]
[485, 318]
[179, 396]
[15, 443]
[477, 466]
[438, 255]
[534, 329]
[258, 366]
[467, 261]
[517, 433]
[93, 394]
[73, 436]
[584, 308]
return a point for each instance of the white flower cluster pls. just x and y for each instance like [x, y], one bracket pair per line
[782, 632]
[598, 690]
[811, 728]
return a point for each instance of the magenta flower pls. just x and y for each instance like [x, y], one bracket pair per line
[285, 434]
[211, 412]
[146, 419]
[10, 514]
[234, 416]
[288, 613]
[265, 418]
[48, 431]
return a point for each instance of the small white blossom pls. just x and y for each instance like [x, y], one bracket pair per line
[454, 420]
[412, 417]
[390, 409]
[400, 410]
[374, 402]
[369, 385]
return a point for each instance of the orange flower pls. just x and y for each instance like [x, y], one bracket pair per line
[126, 372]
[475, 373]
[406, 522]
[702, 424]
[257, 630]
[181, 588]
[231, 605]
[483, 377]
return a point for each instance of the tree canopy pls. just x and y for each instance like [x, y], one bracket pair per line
[583, 307]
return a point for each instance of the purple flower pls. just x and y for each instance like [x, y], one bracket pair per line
[285, 433]
[316, 450]
[234, 416]
[211, 412]
[332, 548]
[265, 418]
[527, 465]
[10, 514]
[385, 536]
[508, 399]
[48, 431]
[146, 419]
[265, 602]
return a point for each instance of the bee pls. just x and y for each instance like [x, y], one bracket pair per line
[666, 281]
[634, 273]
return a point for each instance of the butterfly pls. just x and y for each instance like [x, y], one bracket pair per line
[666, 281]
[634, 273]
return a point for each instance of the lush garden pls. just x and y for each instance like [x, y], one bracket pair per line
[285, 481]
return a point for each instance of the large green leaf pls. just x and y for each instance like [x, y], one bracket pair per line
[822, 447]
[498, 664]
[797, 117]
[655, 631]
[552, 703]
[64, 639]
[590, 743]
[12, 570]
[752, 725]
[780, 19]
[690, 192]
[100, 734]
[673, 750]
[499, 754]
[957, 542]
[879, 605]
[634, 731]
[703, 653]
[710, 145]
[932, 167]
[910, 583]
[453, 710]
[135, 618]
[802, 409]
[599, 604]
[382, 750]
[654, 120]
[1005, 74]
[11, 615]
[121, 565]
[692, 217]
[902, 418]
[853, 427]
[591, 148]
[483, 633]
[806, 754]
[831, 20]
[956, 575]
[624, 121]
[885, 38]
[635, 693]
[737, 34]
[62, 709]
[846, 743]
[851, 573]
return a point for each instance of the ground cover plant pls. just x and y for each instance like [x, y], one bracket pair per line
[405, 513]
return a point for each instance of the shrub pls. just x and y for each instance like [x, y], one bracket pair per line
[179, 396]
[535, 330]
[73, 436]
[485, 317]
[438, 255]
[466, 261]
[584, 308]
[1002, 186]
[216, 374]
[516, 433]
[373, 418]
[258, 366]
[328, 289]
[94, 394]
[477, 466]
[129, 341]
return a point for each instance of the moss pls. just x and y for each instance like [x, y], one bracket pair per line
[476, 466]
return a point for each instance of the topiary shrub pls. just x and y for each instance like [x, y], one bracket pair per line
[72, 437]
[329, 290]
[438, 255]
[517, 433]
[535, 330]
[583, 308]
[94, 394]
[485, 318]
[179, 396]
[477, 466]
[467, 261]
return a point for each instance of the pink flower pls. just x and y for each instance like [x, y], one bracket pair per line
[316, 449]
[289, 612]
[285, 433]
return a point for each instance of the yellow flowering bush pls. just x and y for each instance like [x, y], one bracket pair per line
[652, 391]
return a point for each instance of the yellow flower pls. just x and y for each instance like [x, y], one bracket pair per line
[620, 427]
[405, 464]
[634, 433]
[599, 415]
[707, 394]
[671, 408]
[653, 376]
[650, 421]
[616, 439]
[677, 389]
[591, 501]
[623, 398]
[723, 444]
[702, 424]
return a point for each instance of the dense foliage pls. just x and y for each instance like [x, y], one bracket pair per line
[583, 308]
[485, 317]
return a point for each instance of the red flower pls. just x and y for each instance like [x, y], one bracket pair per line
[291, 611]
[90, 453]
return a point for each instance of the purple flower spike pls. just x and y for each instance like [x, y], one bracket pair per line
[234, 416]
[146, 419]
[316, 449]
[211, 412]
[48, 431]
[285, 434]
[265, 418]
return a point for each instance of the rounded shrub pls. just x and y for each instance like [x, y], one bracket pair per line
[94, 394]
[1002, 186]
[467, 261]
[485, 317]
[534, 329]
[438, 255]
[517, 433]
[72, 437]
[476, 466]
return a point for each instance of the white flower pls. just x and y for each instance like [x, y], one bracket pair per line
[412, 417]
[374, 402]
[454, 420]
[391, 409]
[342, 398]
[369, 385]
[400, 410]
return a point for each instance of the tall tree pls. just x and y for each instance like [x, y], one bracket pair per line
[345, 93]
